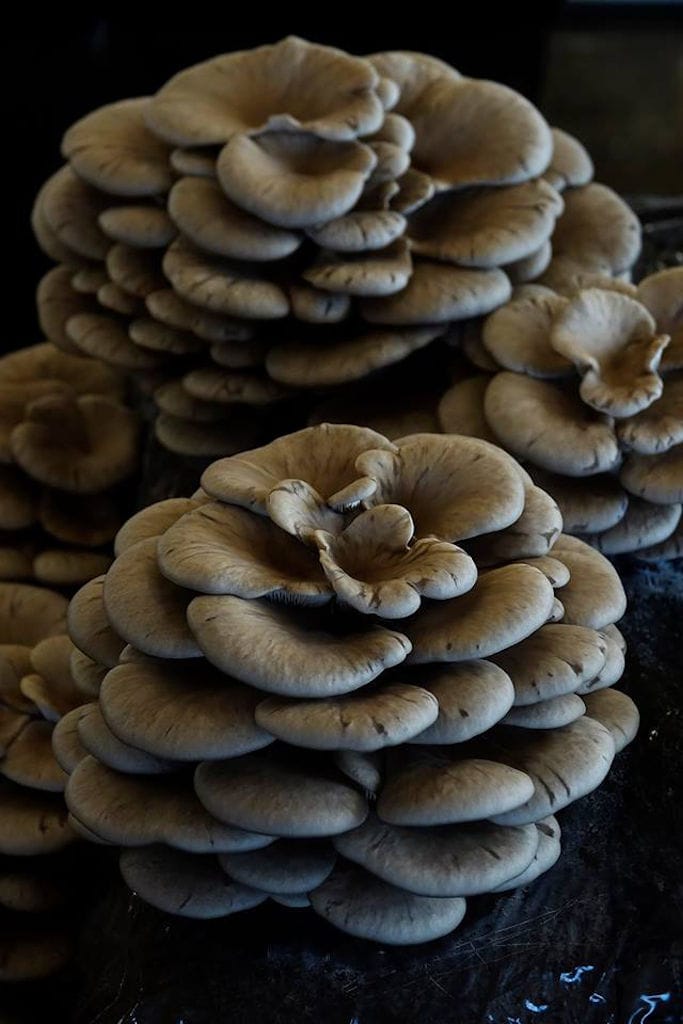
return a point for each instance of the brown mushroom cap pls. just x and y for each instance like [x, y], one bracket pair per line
[89, 625]
[169, 308]
[58, 372]
[288, 866]
[472, 696]
[643, 526]
[69, 567]
[661, 293]
[611, 249]
[518, 334]
[66, 744]
[659, 427]
[588, 504]
[594, 596]
[378, 272]
[29, 614]
[656, 478]
[554, 661]
[105, 338]
[152, 521]
[57, 300]
[29, 762]
[140, 226]
[70, 208]
[32, 822]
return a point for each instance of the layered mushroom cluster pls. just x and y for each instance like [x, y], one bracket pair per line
[37, 687]
[349, 673]
[67, 446]
[292, 219]
[589, 394]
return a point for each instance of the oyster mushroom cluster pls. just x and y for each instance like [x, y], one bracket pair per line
[37, 687]
[589, 395]
[281, 221]
[67, 446]
[350, 673]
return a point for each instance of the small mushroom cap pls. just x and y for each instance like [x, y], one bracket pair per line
[587, 504]
[89, 625]
[366, 770]
[617, 712]
[434, 790]
[50, 686]
[656, 478]
[32, 823]
[643, 526]
[552, 428]
[28, 759]
[288, 866]
[547, 714]
[182, 712]
[412, 72]
[98, 740]
[185, 884]
[532, 266]
[140, 226]
[662, 293]
[518, 334]
[670, 547]
[315, 306]
[29, 614]
[555, 660]
[505, 606]
[137, 810]
[455, 860]
[461, 409]
[70, 208]
[367, 274]
[364, 721]
[150, 334]
[69, 567]
[659, 427]
[172, 398]
[291, 85]
[547, 854]
[58, 371]
[205, 440]
[294, 658]
[66, 743]
[57, 300]
[613, 669]
[530, 536]
[229, 388]
[107, 339]
[152, 521]
[570, 164]
[613, 247]
[197, 162]
[472, 696]
[594, 596]
[359, 231]
[358, 903]
[169, 308]
[263, 796]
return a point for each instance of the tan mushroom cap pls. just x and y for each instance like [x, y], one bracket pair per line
[195, 162]
[50, 685]
[461, 409]
[365, 769]
[222, 286]
[325, 454]
[362, 905]
[152, 521]
[552, 428]
[612, 670]
[412, 72]
[212, 222]
[370, 274]
[114, 298]
[286, 867]
[365, 721]
[475, 132]
[150, 334]
[415, 189]
[564, 764]
[471, 487]
[169, 308]
[588, 504]
[518, 334]
[611, 248]
[261, 795]
[644, 524]
[136, 271]
[28, 759]
[145, 608]
[617, 712]
[455, 860]
[567, 276]
[291, 86]
[143, 227]
[487, 228]
[105, 338]
[359, 230]
[29, 614]
[98, 740]
[183, 712]
[656, 478]
[89, 521]
[83, 445]
[433, 789]
[170, 397]
[505, 606]
[315, 306]
[530, 267]
[66, 744]
[670, 547]
[32, 822]
[472, 697]
[69, 567]
[88, 280]
[19, 503]
[89, 625]
[44, 364]
[530, 536]
[438, 293]
[295, 656]
[47, 238]
[188, 437]
[659, 427]
[662, 293]
[546, 856]
[294, 180]
[231, 387]
[554, 661]
[57, 301]
[113, 149]
[570, 164]
[70, 208]
[184, 884]
[594, 596]
[547, 714]
[310, 364]
[86, 673]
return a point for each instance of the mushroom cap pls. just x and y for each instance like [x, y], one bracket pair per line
[535, 420]
[288, 866]
[229, 387]
[362, 905]
[70, 208]
[152, 521]
[150, 334]
[656, 478]
[379, 272]
[66, 743]
[530, 267]
[169, 308]
[291, 85]
[570, 164]
[57, 371]
[139, 226]
[643, 526]
[364, 721]
[107, 339]
[472, 696]
[670, 547]
[314, 306]
[261, 795]
[662, 294]
[617, 712]
[555, 660]
[189, 437]
[359, 230]
[614, 247]
[185, 884]
[89, 625]
[594, 596]
[183, 712]
[461, 409]
[29, 762]
[518, 334]
[659, 427]
[588, 504]
[412, 72]
[530, 536]
[547, 714]
[196, 162]
[98, 739]
[295, 657]
[29, 614]
[69, 567]
[113, 149]
[613, 669]
[32, 822]
[57, 301]
[547, 854]
[171, 398]
[447, 861]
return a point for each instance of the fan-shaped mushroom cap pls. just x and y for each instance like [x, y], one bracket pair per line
[412, 72]
[223, 286]
[594, 596]
[183, 712]
[261, 795]
[564, 764]
[50, 686]
[518, 334]
[358, 903]
[471, 487]
[294, 657]
[611, 249]
[613, 669]
[70, 209]
[86, 673]
[555, 660]
[660, 426]
[662, 293]
[89, 625]
[438, 293]
[113, 149]
[359, 231]
[98, 739]
[46, 237]
[136, 271]
[365, 769]
[656, 478]
[57, 371]
[568, 276]
[137, 810]
[65, 567]
[29, 614]
[145, 608]
[185, 884]
[150, 334]
[505, 606]
[461, 409]
[378, 272]
[169, 308]
[616, 712]
[318, 307]
[362, 721]
[285, 867]
[105, 338]
[32, 822]
[670, 547]
[172, 398]
[290, 86]
[28, 759]
[143, 227]
[57, 301]
[487, 228]
[611, 340]
[570, 164]
[547, 714]
[552, 428]
[531, 535]
[588, 504]
[66, 744]
[643, 526]
[455, 860]
[152, 521]
[433, 789]
[326, 454]
[114, 298]
[229, 387]
[547, 854]
[414, 190]
[532, 266]
[472, 696]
